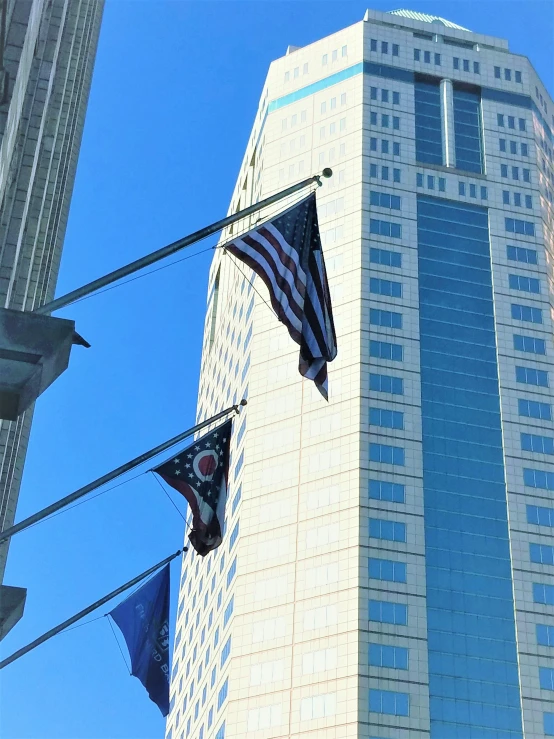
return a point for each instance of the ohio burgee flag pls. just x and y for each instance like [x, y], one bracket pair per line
[199, 473]
[286, 253]
[144, 622]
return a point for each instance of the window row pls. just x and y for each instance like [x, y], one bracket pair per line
[384, 47]
[385, 318]
[324, 156]
[509, 121]
[384, 200]
[542, 554]
[525, 173]
[294, 120]
[390, 289]
[507, 74]
[381, 655]
[529, 344]
[385, 146]
[515, 226]
[389, 703]
[332, 128]
[387, 570]
[534, 409]
[386, 350]
[385, 228]
[386, 418]
[386, 96]
[471, 190]
[513, 147]
[386, 454]
[296, 72]
[387, 530]
[427, 56]
[384, 173]
[516, 199]
[386, 120]
[334, 55]
[539, 479]
[531, 376]
[466, 65]
[526, 313]
[540, 515]
[521, 254]
[420, 182]
[391, 492]
[386, 384]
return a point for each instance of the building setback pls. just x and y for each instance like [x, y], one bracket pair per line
[45, 75]
[388, 564]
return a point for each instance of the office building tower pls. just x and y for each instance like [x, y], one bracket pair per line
[46, 58]
[388, 564]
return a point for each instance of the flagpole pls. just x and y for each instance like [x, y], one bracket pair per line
[39, 515]
[176, 246]
[60, 627]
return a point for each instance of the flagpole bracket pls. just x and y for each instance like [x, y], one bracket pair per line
[327, 172]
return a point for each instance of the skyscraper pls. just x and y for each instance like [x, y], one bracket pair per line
[46, 61]
[388, 564]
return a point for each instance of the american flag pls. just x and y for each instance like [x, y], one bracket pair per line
[286, 253]
[199, 473]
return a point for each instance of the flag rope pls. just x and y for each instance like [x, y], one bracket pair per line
[63, 502]
[107, 615]
[78, 616]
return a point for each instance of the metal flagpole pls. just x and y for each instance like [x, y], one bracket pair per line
[60, 627]
[112, 475]
[166, 251]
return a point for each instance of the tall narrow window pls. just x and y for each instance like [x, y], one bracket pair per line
[213, 320]
[467, 130]
[428, 127]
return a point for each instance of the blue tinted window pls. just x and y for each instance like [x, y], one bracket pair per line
[526, 284]
[536, 443]
[385, 318]
[384, 200]
[388, 491]
[386, 454]
[428, 125]
[228, 611]
[546, 678]
[542, 554]
[225, 652]
[534, 409]
[385, 287]
[388, 613]
[531, 376]
[386, 257]
[231, 572]
[387, 702]
[516, 226]
[386, 384]
[234, 535]
[526, 313]
[467, 130]
[545, 635]
[386, 418]
[385, 350]
[386, 569]
[529, 344]
[236, 499]
[538, 479]
[387, 530]
[385, 228]
[540, 516]
[543, 594]
[548, 719]
[381, 655]
[222, 694]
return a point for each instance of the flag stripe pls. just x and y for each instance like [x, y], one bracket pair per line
[286, 254]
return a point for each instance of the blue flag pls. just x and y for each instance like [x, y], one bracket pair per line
[144, 622]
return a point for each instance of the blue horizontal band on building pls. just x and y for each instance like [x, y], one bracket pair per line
[403, 75]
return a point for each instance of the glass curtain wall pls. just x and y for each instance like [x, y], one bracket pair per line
[473, 672]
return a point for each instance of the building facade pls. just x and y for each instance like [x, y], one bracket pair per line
[46, 61]
[388, 565]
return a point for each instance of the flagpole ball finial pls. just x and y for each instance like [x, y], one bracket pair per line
[243, 402]
[327, 172]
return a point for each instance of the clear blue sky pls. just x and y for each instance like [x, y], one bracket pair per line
[175, 90]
